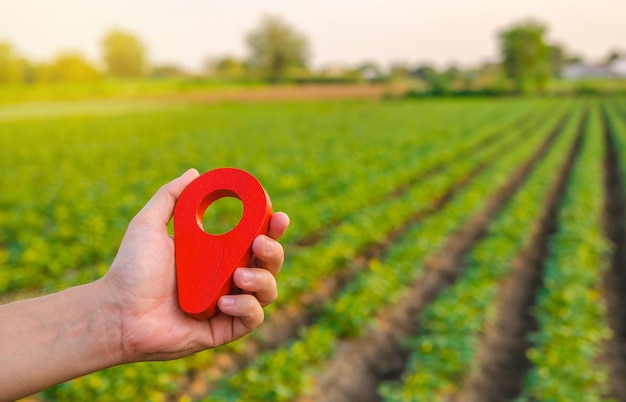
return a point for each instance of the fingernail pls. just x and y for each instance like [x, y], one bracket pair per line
[189, 170]
[227, 301]
[247, 276]
[269, 245]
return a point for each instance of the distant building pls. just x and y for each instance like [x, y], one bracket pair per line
[336, 70]
[575, 71]
[618, 67]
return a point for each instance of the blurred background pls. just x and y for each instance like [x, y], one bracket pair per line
[73, 49]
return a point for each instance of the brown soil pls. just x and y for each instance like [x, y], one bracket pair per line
[361, 364]
[501, 359]
[292, 92]
[615, 278]
[314, 238]
[286, 322]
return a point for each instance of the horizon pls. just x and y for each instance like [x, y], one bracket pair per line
[398, 31]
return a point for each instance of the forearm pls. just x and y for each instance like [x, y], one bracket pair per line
[52, 339]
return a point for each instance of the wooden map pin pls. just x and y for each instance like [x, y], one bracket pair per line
[205, 262]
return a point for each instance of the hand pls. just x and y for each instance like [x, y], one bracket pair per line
[141, 286]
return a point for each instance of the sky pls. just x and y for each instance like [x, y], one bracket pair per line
[187, 32]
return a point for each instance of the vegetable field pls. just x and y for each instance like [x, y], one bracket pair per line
[439, 250]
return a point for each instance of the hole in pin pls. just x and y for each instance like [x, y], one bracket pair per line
[222, 215]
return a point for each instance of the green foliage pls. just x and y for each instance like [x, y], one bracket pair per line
[557, 59]
[9, 64]
[68, 67]
[79, 175]
[140, 381]
[525, 55]
[615, 116]
[124, 54]
[121, 90]
[437, 83]
[569, 310]
[230, 67]
[276, 47]
[444, 350]
[16, 70]
[78, 172]
[355, 308]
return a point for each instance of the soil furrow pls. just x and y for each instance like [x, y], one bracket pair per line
[375, 250]
[286, 321]
[615, 279]
[314, 238]
[501, 359]
[289, 319]
[361, 364]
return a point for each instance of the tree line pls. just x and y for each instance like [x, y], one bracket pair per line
[278, 52]
[123, 55]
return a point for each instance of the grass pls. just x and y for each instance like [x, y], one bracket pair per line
[116, 89]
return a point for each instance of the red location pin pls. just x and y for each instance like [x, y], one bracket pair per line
[205, 262]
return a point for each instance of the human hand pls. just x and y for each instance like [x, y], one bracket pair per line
[141, 286]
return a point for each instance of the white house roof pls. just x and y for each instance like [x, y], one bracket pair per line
[618, 67]
[582, 70]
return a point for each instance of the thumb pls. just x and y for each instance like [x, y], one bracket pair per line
[158, 211]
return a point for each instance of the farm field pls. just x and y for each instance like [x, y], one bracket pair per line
[439, 250]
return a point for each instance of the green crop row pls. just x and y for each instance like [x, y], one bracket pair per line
[355, 233]
[371, 147]
[570, 310]
[77, 180]
[340, 194]
[388, 216]
[72, 182]
[450, 327]
[290, 371]
[616, 119]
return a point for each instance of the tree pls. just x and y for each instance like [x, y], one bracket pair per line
[70, 67]
[230, 67]
[525, 55]
[9, 64]
[436, 83]
[29, 71]
[556, 59]
[276, 47]
[613, 56]
[124, 54]
[399, 71]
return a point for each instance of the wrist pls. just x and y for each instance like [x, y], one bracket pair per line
[108, 318]
[56, 338]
